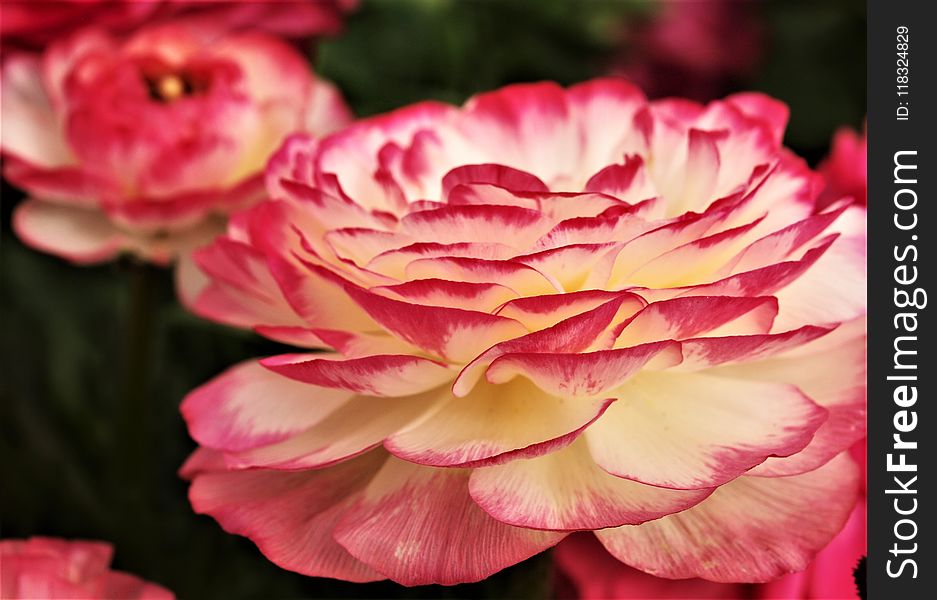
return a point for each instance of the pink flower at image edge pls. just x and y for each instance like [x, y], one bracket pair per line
[52, 568]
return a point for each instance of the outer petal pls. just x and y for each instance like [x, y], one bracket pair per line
[359, 425]
[249, 406]
[830, 575]
[239, 288]
[417, 525]
[838, 277]
[566, 490]
[290, 516]
[80, 235]
[843, 396]
[753, 529]
[691, 431]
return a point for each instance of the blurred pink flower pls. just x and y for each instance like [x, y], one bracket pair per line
[845, 170]
[142, 144]
[608, 313]
[51, 568]
[34, 24]
[693, 48]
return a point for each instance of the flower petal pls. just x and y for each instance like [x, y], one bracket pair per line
[452, 333]
[249, 406]
[418, 525]
[382, 375]
[355, 427]
[485, 297]
[751, 530]
[290, 516]
[587, 374]
[689, 431]
[492, 425]
[693, 316]
[566, 490]
[80, 235]
[843, 396]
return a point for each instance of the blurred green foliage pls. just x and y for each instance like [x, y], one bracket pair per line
[89, 451]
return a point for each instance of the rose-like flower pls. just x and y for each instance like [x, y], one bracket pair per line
[589, 572]
[35, 24]
[845, 169]
[549, 310]
[53, 568]
[144, 144]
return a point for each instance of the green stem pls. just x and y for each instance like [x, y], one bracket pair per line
[135, 429]
[138, 330]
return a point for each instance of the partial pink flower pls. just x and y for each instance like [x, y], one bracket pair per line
[589, 572]
[53, 568]
[845, 170]
[549, 310]
[144, 144]
[692, 48]
[36, 24]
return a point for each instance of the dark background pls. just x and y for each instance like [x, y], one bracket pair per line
[96, 359]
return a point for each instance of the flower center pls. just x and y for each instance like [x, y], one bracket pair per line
[169, 87]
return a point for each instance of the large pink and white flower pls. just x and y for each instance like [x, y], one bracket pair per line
[144, 144]
[36, 24]
[52, 568]
[546, 311]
